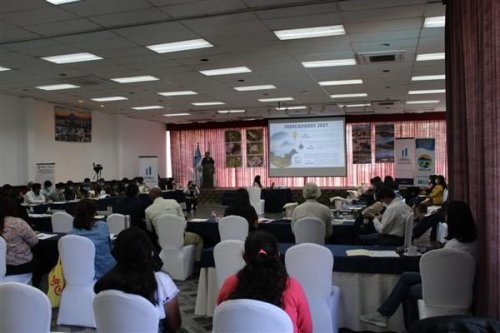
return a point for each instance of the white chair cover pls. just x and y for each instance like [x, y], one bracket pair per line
[21, 278]
[447, 283]
[61, 222]
[445, 195]
[77, 257]
[23, 308]
[255, 200]
[309, 230]
[116, 311]
[116, 223]
[442, 232]
[233, 227]
[228, 257]
[248, 315]
[178, 260]
[312, 266]
[408, 230]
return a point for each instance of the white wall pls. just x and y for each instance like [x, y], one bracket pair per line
[27, 138]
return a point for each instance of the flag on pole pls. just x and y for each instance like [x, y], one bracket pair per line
[197, 165]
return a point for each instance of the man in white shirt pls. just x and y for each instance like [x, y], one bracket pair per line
[47, 188]
[161, 207]
[390, 226]
[34, 197]
[312, 208]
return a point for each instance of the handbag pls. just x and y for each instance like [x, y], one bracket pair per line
[56, 284]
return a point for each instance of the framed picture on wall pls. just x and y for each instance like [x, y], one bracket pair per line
[72, 125]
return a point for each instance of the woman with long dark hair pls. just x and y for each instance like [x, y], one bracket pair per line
[136, 273]
[19, 236]
[240, 205]
[264, 278]
[85, 224]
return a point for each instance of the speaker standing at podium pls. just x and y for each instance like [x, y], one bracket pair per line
[208, 170]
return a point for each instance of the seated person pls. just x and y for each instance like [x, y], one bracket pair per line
[57, 194]
[132, 206]
[84, 191]
[436, 196]
[17, 196]
[170, 184]
[390, 226]
[70, 191]
[34, 196]
[136, 272]
[369, 196]
[424, 222]
[47, 188]
[84, 224]
[191, 192]
[264, 278]
[240, 205]
[19, 236]
[256, 181]
[312, 208]
[143, 188]
[408, 289]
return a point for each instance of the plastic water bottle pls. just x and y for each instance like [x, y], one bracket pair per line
[213, 217]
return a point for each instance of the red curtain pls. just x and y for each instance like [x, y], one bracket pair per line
[473, 117]
[183, 145]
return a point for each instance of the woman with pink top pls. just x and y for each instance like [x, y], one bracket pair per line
[264, 278]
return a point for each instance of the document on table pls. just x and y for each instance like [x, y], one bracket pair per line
[368, 253]
[36, 216]
[198, 220]
[264, 220]
[45, 236]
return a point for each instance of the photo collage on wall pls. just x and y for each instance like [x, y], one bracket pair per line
[384, 143]
[72, 125]
[255, 148]
[361, 144]
[233, 148]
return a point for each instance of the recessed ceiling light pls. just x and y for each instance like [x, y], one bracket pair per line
[354, 105]
[60, 2]
[428, 77]
[73, 57]
[133, 79]
[340, 82]
[423, 102]
[329, 63]
[230, 111]
[226, 71]
[430, 56]
[176, 114]
[4, 69]
[432, 91]
[313, 32]
[180, 46]
[434, 22]
[296, 107]
[150, 107]
[57, 87]
[349, 95]
[261, 87]
[178, 93]
[207, 103]
[109, 99]
[276, 99]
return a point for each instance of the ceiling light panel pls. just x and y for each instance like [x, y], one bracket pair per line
[251, 88]
[230, 111]
[207, 103]
[434, 22]
[328, 63]
[176, 114]
[354, 105]
[180, 46]
[431, 101]
[428, 77]
[226, 71]
[178, 93]
[340, 82]
[313, 32]
[133, 79]
[349, 95]
[296, 107]
[60, 2]
[149, 107]
[432, 91]
[71, 58]
[57, 87]
[276, 99]
[4, 69]
[109, 99]
[430, 56]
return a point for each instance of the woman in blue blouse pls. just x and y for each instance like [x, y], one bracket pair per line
[84, 224]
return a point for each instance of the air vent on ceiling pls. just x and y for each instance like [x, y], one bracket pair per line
[387, 102]
[382, 56]
[82, 81]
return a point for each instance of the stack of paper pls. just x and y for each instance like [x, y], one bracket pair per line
[45, 236]
[368, 253]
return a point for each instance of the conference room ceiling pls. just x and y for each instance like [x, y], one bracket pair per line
[241, 32]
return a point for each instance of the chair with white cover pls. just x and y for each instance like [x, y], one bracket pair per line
[116, 223]
[255, 200]
[312, 266]
[447, 283]
[178, 259]
[23, 308]
[21, 278]
[442, 232]
[116, 311]
[309, 230]
[445, 195]
[61, 222]
[77, 258]
[248, 315]
[408, 241]
[233, 227]
[228, 257]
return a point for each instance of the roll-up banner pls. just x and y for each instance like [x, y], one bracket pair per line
[148, 169]
[404, 167]
[45, 171]
[425, 160]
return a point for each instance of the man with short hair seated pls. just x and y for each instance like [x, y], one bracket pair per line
[34, 196]
[312, 208]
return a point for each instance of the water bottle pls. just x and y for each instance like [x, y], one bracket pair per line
[213, 217]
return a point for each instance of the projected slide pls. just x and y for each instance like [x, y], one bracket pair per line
[307, 147]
